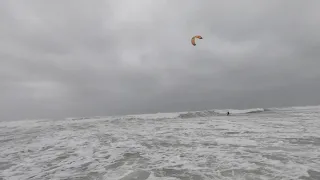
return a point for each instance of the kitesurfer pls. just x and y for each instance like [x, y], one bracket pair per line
[228, 113]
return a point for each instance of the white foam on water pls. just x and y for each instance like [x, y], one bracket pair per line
[236, 141]
[164, 146]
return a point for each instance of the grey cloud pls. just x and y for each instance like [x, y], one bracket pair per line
[108, 57]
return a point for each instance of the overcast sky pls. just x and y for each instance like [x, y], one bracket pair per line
[104, 57]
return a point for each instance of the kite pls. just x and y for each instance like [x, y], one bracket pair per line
[193, 39]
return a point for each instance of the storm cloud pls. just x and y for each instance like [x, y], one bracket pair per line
[84, 58]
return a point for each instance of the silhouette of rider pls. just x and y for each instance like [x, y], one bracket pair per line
[228, 113]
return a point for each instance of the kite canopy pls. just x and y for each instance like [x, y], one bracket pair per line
[193, 39]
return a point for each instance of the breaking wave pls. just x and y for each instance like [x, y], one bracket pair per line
[193, 114]
[174, 115]
[209, 113]
[284, 146]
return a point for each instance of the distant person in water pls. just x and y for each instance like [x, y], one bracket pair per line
[228, 113]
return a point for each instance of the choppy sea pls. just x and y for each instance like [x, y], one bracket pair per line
[252, 144]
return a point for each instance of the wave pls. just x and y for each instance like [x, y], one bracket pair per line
[208, 113]
[191, 114]
[81, 118]
[294, 108]
[194, 114]
[175, 115]
[156, 116]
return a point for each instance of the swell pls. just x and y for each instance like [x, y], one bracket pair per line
[208, 113]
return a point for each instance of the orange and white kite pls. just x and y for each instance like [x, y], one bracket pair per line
[193, 39]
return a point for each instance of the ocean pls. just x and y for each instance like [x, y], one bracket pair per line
[252, 144]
